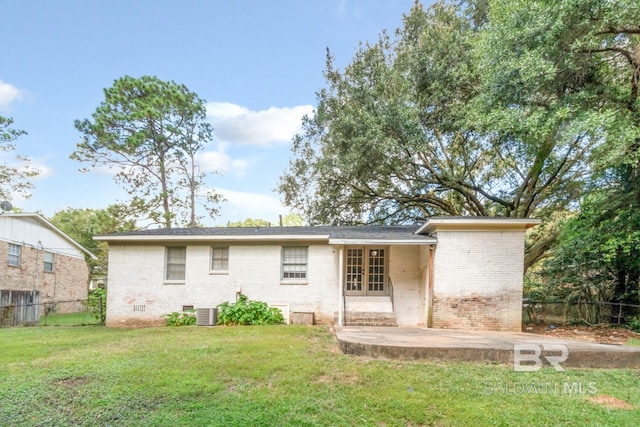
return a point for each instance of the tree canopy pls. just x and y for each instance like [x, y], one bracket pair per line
[395, 138]
[492, 108]
[290, 219]
[82, 224]
[14, 175]
[149, 132]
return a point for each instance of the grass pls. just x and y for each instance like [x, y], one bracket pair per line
[279, 375]
[634, 342]
[70, 319]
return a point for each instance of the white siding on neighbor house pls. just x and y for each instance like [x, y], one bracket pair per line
[23, 230]
[138, 293]
[478, 279]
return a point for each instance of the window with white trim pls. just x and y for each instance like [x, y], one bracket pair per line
[294, 262]
[219, 258]
[175, 263]
[49, 261]
[14, 255]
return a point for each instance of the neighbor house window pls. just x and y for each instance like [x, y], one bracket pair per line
[176, 261]
[49, 258]
[220, 258]
[294, 262]
[14, 255]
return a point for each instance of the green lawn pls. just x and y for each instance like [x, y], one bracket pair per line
[276, 376]
[69, 319]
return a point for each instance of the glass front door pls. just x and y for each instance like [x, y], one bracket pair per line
[366, 271]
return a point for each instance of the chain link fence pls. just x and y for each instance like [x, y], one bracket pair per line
[573, 312]
[53, 313]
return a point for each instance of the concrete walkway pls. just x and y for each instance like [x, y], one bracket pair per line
[474, 346]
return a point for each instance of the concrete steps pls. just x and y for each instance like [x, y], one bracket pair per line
[368, 318]
[369, 311]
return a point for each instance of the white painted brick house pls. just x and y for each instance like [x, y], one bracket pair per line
[453, 272]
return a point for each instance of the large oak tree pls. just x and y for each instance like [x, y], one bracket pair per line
[403, 133]
[577, 64]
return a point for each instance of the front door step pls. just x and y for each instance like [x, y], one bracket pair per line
[369, 318]
[368, 304]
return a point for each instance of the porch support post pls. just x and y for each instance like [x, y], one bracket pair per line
[341, 286]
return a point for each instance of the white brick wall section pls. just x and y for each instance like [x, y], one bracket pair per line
[487, 262]
[478, 279]
[136, 279]
[405, 276]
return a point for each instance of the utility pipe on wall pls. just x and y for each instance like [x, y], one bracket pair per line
[341, 286]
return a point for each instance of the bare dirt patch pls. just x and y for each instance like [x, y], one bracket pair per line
[611, 402]
[72, 381]
[335, 379]
[601, 334]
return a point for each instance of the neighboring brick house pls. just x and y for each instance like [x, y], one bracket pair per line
[453, 272]
[37, 256]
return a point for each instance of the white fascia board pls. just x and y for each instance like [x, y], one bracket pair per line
[200, 238]
[476, 223]
[431, 241]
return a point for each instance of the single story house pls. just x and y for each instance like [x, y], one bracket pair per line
[451, 272]
[39, 257]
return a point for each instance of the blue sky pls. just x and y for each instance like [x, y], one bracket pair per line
[258, 64]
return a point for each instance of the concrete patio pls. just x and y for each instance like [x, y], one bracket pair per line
[477, 346]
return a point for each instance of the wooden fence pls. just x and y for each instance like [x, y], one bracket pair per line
[19, 308]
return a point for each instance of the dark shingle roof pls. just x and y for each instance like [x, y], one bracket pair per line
[396, 232]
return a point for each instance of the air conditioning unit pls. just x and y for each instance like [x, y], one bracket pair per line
[206, 316]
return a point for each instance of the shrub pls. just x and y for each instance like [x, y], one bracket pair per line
[180, 319]
[634, 324]
[247, 312]
[97, 303]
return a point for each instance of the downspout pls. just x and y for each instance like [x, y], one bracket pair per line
[432, 250]
[55, 275]
[341, 286]
[38, 248]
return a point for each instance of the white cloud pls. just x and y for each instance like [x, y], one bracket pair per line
[45, 171]
[238, 125]
[9, 94]
[242, 205]
[28, 166]
[220, 161]
[216, 160]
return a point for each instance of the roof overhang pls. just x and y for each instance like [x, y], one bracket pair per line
[435, 224]
[210, 238]
[384, 242]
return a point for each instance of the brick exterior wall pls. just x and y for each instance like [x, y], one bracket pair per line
[67, 282]
[137, 294]
[478, 280]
